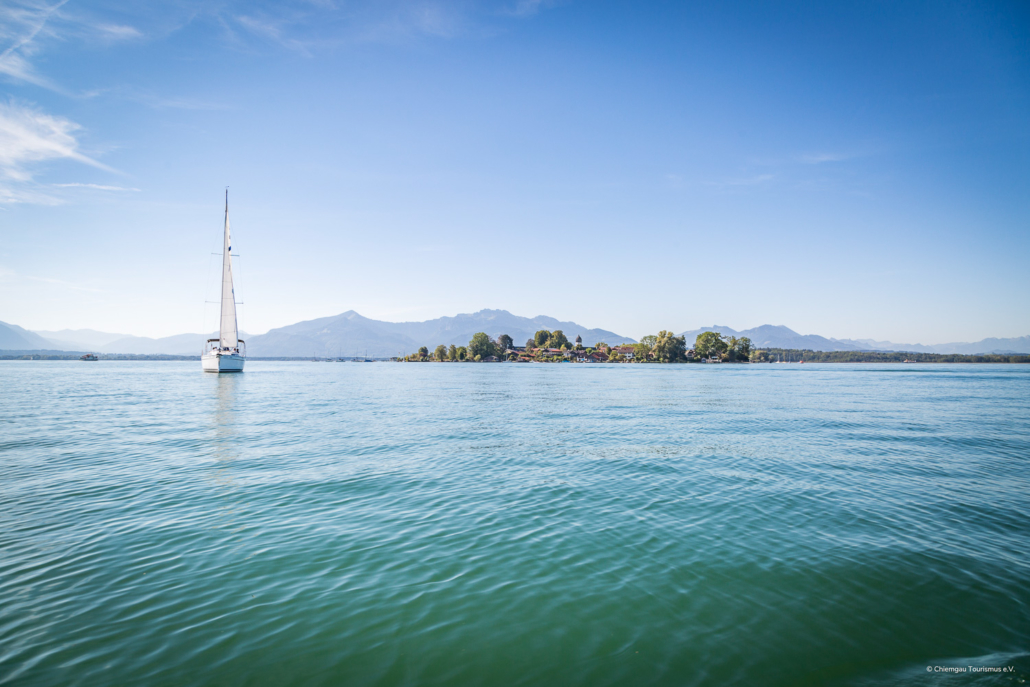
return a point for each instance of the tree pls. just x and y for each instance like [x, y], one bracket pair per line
[738, 349]
[479, 358]
[504, 342]
[709, 344]
[669, 348]
[557, 339]
[463, 353]
[744, 348]
[530, 343]
[440, 353]
[452, 352]
[601, 346]
[480, 346]
[641, 350]
[423, 352]
[614, 356]
[541, 338]
[650, 340]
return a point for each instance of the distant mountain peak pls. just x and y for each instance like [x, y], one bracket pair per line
[484, 314]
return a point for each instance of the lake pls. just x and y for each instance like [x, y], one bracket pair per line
[461, 524]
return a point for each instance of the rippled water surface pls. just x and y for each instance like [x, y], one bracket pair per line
[392, 524]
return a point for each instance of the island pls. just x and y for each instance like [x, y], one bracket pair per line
[664, 347]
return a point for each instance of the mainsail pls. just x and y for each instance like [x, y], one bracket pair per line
[227, 333]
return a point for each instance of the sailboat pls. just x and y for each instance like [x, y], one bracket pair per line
[228, 352]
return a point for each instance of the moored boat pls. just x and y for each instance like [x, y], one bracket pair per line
[89, 356]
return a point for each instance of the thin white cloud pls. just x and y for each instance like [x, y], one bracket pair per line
[434, 20]
[273, 31]
[149, 99]
[98, 187]
[526, 8]
[29, 138]
[118, 32]
[819, 158]
[319, 25]
[20, 24]
[24, 23]
[25, 194]
[17, 67]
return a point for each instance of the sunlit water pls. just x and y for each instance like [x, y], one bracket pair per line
[403, 524]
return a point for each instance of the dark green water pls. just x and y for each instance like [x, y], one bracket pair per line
[386, 524]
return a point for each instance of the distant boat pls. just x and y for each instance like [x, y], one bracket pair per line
[228, 352]
[89, 356]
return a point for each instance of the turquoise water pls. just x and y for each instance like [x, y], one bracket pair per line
[389, 524]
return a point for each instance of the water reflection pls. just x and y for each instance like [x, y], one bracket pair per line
[226, 517]
[225, 412]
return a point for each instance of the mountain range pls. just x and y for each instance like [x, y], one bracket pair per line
[773, 336]
[1015, 345]
[350, 334]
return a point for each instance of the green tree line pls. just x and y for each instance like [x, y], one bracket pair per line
[665, 347]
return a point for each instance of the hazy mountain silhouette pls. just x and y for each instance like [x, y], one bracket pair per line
[81, 339]
[773, 336]
[14, 338]
[1015, 345]
[350, 334]
[770, 336]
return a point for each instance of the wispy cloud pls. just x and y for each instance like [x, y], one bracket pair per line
[527, 8]
[28, 138]
[20, 25]
[307, 27]
[275, 31]
[25, 194]
[435, 19]
[98, 187]
[118, 32]
[152, 100]
[322, 26]
[25, 23]
[820, 158]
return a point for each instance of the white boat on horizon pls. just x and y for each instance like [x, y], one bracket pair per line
[228, 352]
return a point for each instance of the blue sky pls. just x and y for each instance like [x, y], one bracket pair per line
[852, 171]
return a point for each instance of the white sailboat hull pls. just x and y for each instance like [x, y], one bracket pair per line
[222, 362]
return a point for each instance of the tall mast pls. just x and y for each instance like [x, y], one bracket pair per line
[227, 332]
